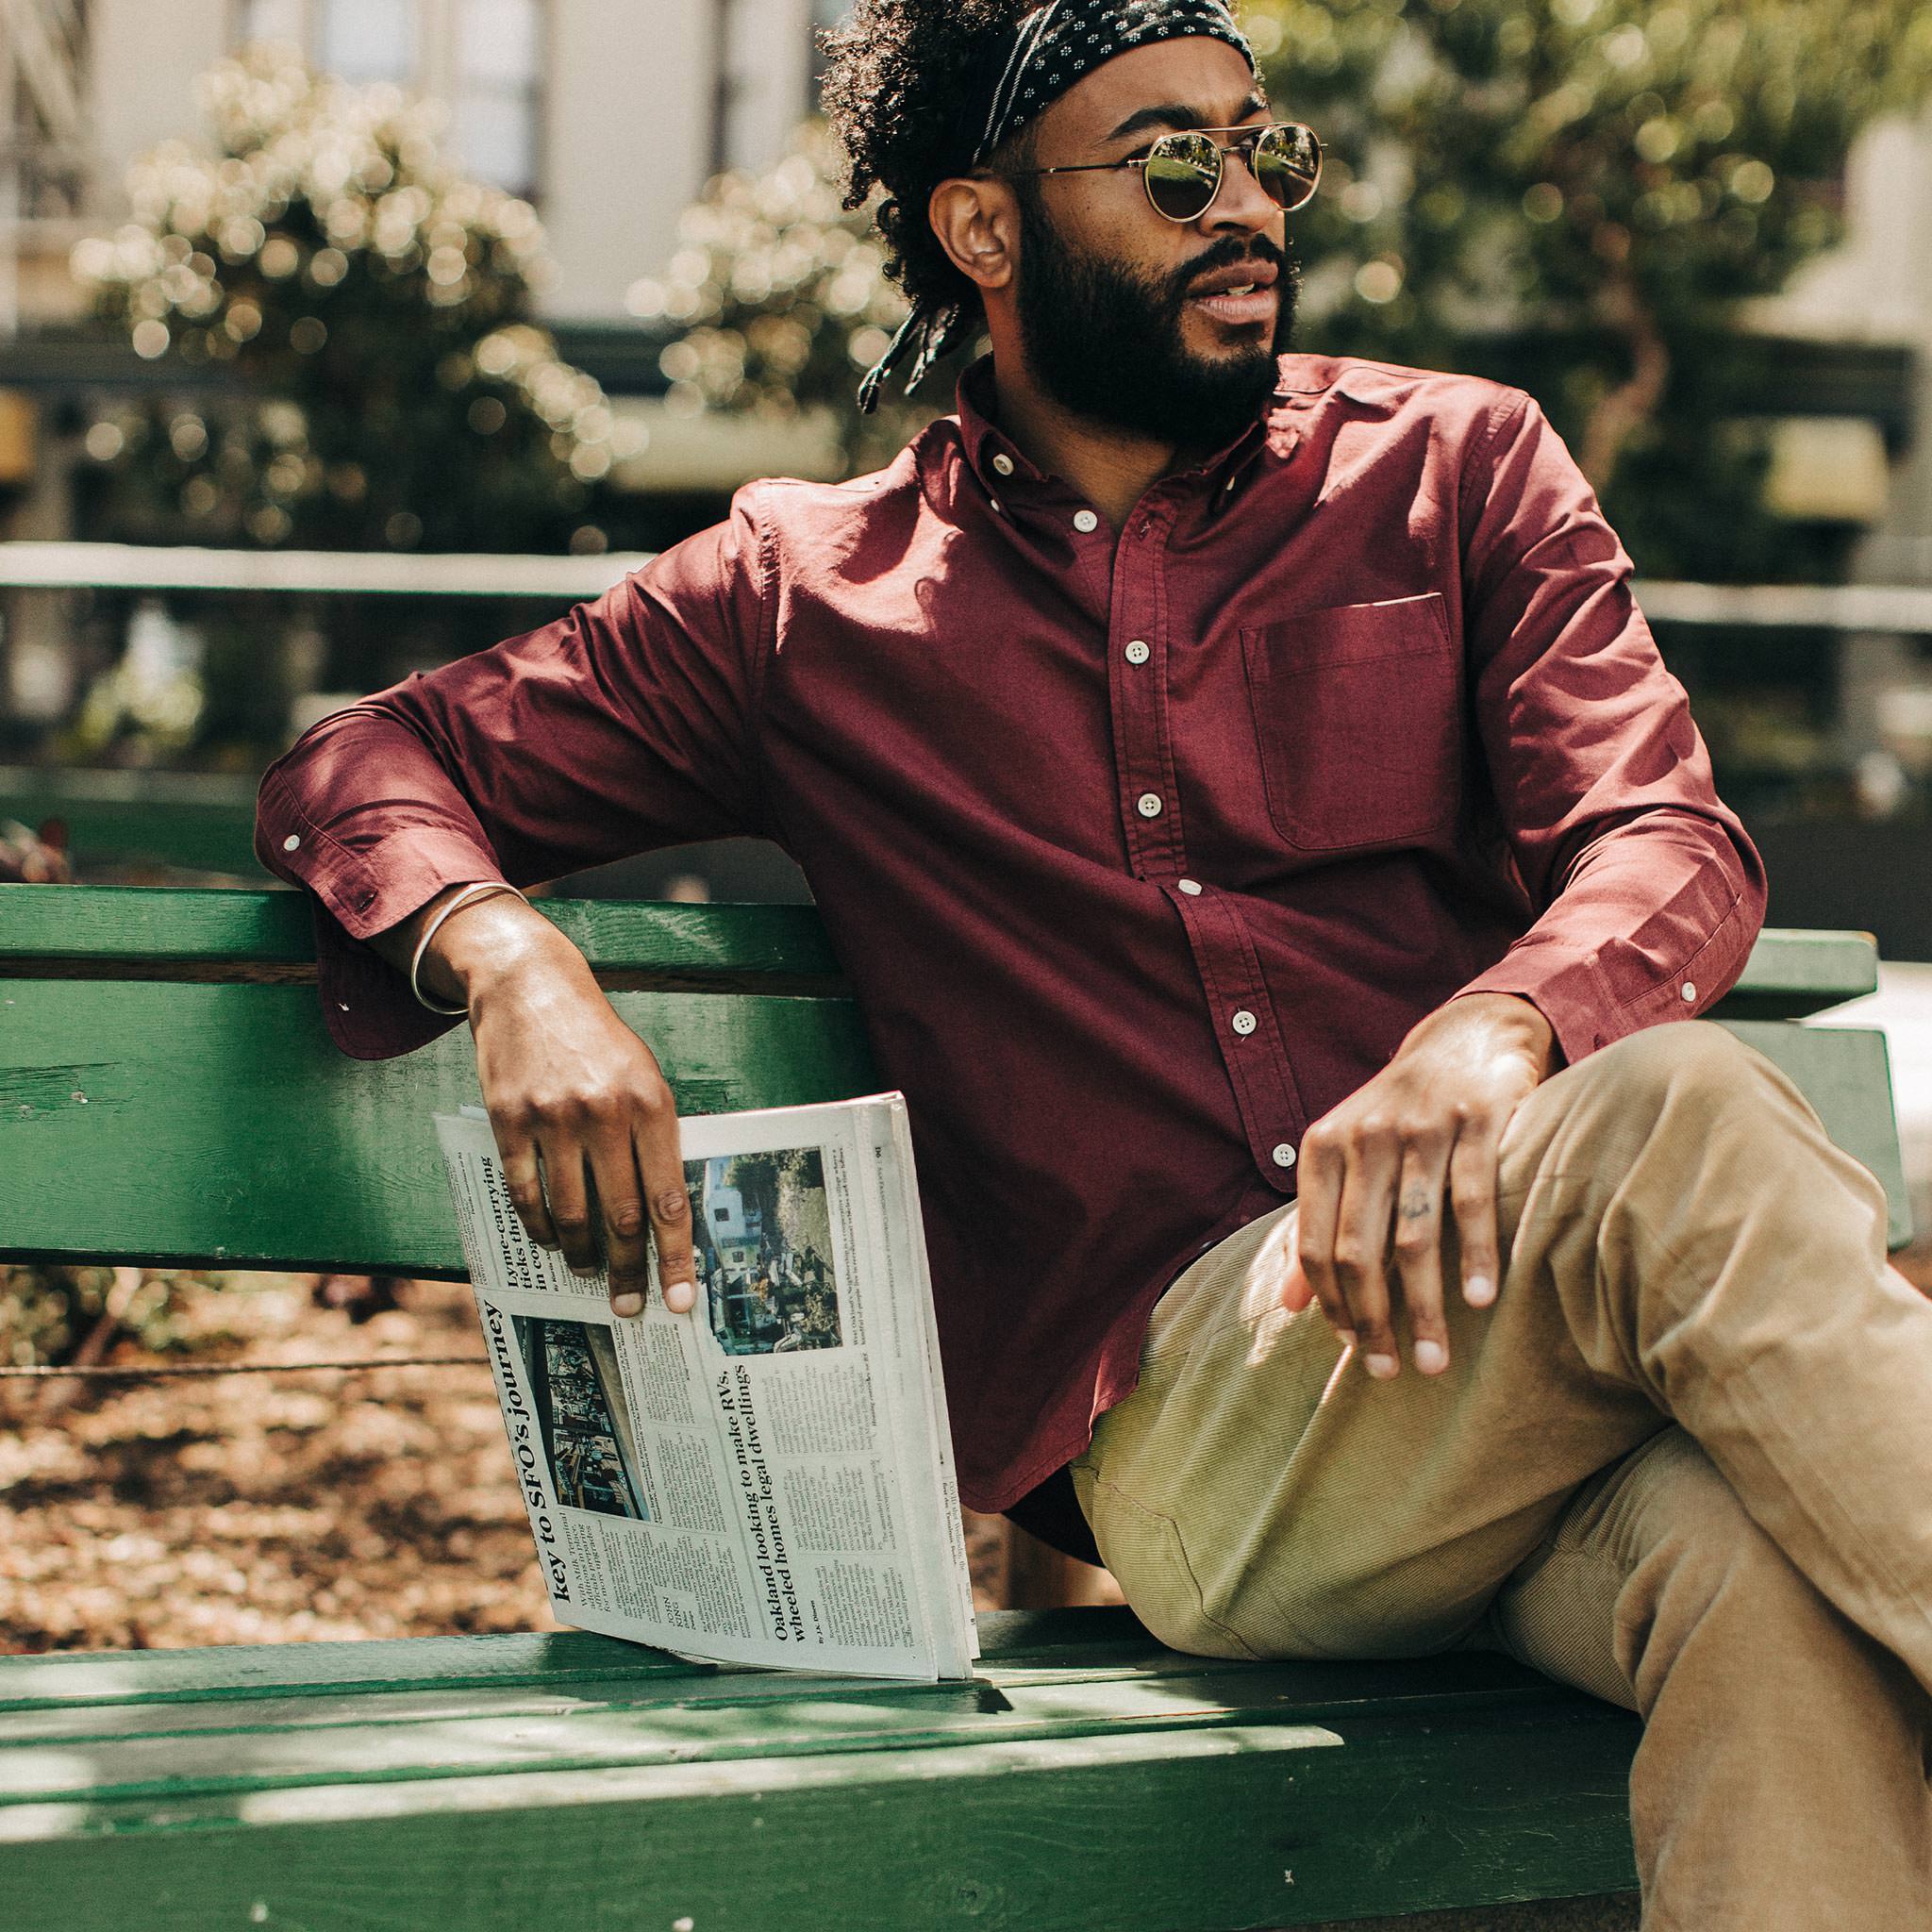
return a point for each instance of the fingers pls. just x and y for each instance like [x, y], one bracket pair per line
[1323, 1169]
[619, 1196]
[1417, 1246]
[660, 1162]
[1473, 1165]
[524, 1183]
[1360, 1252]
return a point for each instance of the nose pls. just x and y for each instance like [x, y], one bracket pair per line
[1239, 202]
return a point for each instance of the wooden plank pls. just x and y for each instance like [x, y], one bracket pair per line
[1792, 972]
[163, 1085]
[136, 930]
[1245, 1825]
[201, 820]
[1091, 1637]
[1789, 973]
[1845, 1072]
[159, 1124]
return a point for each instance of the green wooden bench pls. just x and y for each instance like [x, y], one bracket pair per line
[167, 1095]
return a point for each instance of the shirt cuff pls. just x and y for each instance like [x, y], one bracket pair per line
[1573, 992]
[366, 1003]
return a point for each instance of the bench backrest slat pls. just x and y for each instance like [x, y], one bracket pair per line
[147, 1114]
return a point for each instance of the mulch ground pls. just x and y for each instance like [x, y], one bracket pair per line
[273, 1509]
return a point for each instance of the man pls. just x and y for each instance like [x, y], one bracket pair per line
[1228, 774]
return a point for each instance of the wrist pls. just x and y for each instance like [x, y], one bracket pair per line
[1519, 1022]
[486, 947]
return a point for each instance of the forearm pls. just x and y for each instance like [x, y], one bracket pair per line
[1655, 921]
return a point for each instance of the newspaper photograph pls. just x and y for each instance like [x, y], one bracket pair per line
[767, 1479]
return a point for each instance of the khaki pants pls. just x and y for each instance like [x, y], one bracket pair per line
[1684, 1462]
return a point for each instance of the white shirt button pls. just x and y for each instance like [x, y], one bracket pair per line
[1191, 887]
[291, 843]
[1003, 463]
[1689, 994]
[1148, 805]
[1085, 521]
[1136, 653]
[998, 508]
[1284, 1154]
[1243, 1023]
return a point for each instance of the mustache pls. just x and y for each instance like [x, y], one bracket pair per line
[1230, 252]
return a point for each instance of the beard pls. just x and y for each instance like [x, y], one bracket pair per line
[1105, 343]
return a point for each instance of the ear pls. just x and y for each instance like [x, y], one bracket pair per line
[977, 222]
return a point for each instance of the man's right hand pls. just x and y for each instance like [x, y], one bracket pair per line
[584, 1118]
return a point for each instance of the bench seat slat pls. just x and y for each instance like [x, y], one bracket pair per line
[1241, 1827]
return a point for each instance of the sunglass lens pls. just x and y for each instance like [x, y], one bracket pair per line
[1183, 172]
[1288, 163]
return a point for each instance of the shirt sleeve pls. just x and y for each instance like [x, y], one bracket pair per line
[1649, 893]
[627, 724]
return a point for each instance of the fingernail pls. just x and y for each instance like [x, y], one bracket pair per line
[1431, 1358]
[1347, 1337]
[1381, 1366]
[679, 1296]
[626, 1305]
[1479, 1290]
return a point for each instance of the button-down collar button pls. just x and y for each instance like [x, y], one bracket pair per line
[291, 843]
[1689, 992]
[1243, 1022]
[1191, 887]
[1283, 1154]
[1148, 805]
[1136, 653]
[1003, 462]
[1084, 522]
[998, 508]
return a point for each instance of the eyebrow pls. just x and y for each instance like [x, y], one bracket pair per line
[1177, 114]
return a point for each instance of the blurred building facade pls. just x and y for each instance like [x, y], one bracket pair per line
[609, 114]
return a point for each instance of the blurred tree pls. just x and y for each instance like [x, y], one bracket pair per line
[777, 302]
[371, 309]
[1575, 194]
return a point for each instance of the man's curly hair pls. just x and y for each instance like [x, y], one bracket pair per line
[902, 76]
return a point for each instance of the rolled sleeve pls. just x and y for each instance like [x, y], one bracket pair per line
[1648, 891]
[625, 725]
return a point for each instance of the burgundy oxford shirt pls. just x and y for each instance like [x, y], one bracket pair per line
[1140, 853]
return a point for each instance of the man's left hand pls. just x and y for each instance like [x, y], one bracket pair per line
[1384, 1175]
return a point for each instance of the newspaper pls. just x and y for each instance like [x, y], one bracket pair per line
[767, 1479]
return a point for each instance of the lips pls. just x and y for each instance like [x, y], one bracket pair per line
[1241, 296]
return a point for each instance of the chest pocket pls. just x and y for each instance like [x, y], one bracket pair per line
[1357, 714]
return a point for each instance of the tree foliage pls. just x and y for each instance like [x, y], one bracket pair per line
[371, 309]
[1616, 171]
[776, 301]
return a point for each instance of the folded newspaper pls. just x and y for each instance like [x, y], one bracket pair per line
[769, 1479]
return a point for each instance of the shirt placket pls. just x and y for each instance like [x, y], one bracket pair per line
[1245, 1028]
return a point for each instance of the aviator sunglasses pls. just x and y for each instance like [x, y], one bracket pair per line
[1182, 172]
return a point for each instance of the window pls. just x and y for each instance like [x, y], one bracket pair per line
[499, 66]
[271, 20]
[485, 58]
[368, 40]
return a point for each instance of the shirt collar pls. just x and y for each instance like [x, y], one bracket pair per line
[999, 463]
